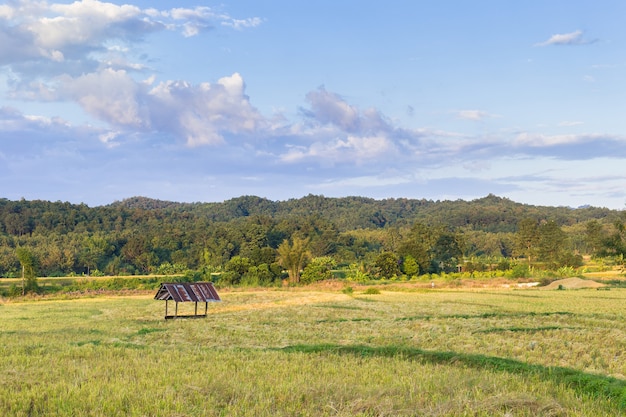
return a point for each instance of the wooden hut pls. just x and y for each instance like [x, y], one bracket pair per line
[187, 292]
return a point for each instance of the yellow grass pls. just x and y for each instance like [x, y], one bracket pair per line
[319, 352]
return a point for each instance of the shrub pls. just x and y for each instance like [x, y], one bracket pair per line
[520, 271]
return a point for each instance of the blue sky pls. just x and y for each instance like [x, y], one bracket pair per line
[194, 101]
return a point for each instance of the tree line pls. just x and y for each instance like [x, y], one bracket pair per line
[257, 241]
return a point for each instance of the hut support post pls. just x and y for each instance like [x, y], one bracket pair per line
[176, 312]
[195, 313]
[206, 308]
[165, 308]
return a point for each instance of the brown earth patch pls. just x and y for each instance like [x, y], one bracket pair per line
[573, 284]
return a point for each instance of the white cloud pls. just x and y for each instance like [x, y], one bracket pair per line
[110, 95]
[35, 32]
[82, 52]
[475, 115]
[108, 138]
[11, 120]
[572, 38]
[352, 149]
[200, 114]
[240, 24]
[335, 132]
[538, 140]
[6, 11]
[330, 108]
[367, 181]
[570, 123]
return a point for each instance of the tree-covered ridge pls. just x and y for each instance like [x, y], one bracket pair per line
[242, 236]
[490, 214]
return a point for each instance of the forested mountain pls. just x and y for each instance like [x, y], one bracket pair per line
[141, 235]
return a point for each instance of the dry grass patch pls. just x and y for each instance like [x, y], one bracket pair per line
[301, 352]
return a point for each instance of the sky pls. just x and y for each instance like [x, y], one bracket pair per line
[194, 101]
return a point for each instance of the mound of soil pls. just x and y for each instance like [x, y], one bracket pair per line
[573, 284]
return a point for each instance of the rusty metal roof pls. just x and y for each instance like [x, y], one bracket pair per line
[188, 292]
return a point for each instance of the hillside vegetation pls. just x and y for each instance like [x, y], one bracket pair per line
[254, 240]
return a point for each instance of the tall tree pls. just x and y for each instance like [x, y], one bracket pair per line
[410, 266]
[28, 261]
[95, 249]
[447, 252]
[527, 238]
[387, 265]
[552, 243]
[615, 243]
[419, 243]
[292, 255]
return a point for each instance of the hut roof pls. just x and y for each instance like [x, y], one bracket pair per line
[188, 292]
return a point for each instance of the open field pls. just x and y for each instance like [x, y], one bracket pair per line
[316, 352]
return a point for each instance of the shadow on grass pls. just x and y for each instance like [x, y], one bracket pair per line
[485, 315]
[596, 386]
[523, 329]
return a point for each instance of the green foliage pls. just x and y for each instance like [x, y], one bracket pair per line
[371, 291]
[292, 255]
[520, 271]
[318, 269]
[410, 266]
[229, 278]
[142, 236]
[167, 268]
[527, 238]
[358, 273]
[263, 274]
[387, 265]
[29, 263]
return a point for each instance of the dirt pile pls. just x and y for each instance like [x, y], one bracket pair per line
[573, 284]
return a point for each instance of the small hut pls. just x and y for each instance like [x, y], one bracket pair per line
[187, 292]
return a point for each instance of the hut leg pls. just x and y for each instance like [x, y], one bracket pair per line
[165, 308]
[176, 312]
[195, 313]
[206, 308]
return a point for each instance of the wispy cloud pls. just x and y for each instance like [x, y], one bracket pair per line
[240, 24]
[571, 38]
[475, 115]
[570, 123]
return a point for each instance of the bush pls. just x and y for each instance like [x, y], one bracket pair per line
[318, 269]
[520, 271]
[371, 291]
[228, 278]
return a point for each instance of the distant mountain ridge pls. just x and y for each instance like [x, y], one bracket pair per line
[490, 213]
[144, 203]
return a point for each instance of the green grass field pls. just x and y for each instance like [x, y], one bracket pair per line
[319, 352]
